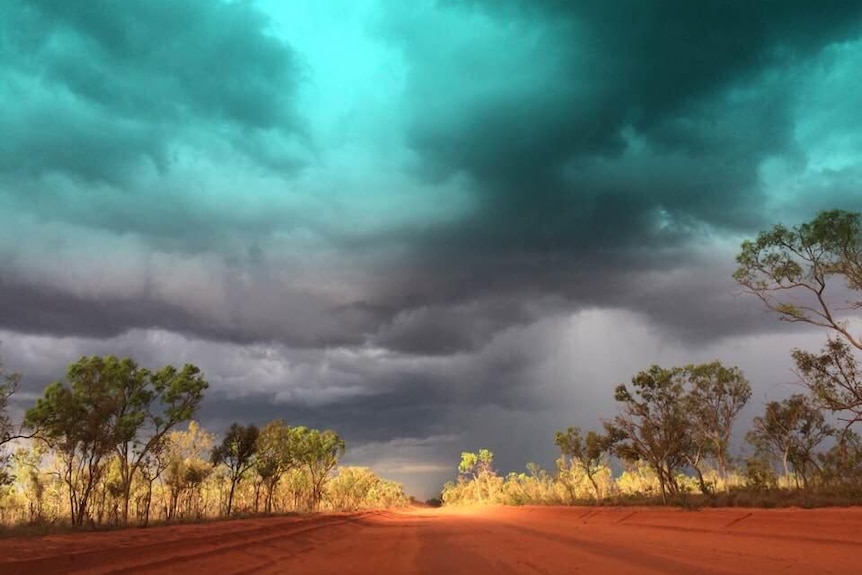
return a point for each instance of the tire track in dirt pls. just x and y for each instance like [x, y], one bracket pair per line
[153, 555]
[505, 541]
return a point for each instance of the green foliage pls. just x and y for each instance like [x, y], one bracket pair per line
[790, 269]
[277, 452]
[833, 379]
[318, 452]
[112, 406]
[477, 482]
[760, 474]
[654, 424]
[716, 396]
[677, 418]
[237, 453]
[789, 431]
[586, 452]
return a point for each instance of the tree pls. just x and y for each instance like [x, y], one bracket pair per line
[131, 409]
[791, 430]
[794, 272]
[76, 422]
[236, 452]
[478, 468]
[276, 454]
[9, 383]
[318, 452]
[653, 426]
[833, 379]
[187, 464]
[791, 269]
[717, 395]
[150, 404]
[587, 452]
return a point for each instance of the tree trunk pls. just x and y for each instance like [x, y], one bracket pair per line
[230, 495]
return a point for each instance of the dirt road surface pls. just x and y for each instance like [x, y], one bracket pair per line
[526, 540]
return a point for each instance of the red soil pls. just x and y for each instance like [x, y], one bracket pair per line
[545, 540]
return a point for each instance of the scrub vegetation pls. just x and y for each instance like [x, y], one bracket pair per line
[670, 441]
[116, 444]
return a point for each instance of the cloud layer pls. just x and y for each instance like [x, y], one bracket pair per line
[412, 221]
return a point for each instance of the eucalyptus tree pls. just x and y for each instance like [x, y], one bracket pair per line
[586, 451]
[187, 464]
[77, 421]
[790, 431]
[716, 396]
[318, 453]
[237, 453]
[478, 468]
[276, 455]
[812, 273]
[653, 425]
[111, 406]
[674, 419]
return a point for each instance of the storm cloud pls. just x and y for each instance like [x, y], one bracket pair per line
[430, 225]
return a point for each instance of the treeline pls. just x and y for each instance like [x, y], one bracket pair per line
[116, 444]
[671, 436]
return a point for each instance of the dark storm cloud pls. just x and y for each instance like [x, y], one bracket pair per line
[608, 143]
[41, 309]
[662, 70]
[689, 79]
[97, 90]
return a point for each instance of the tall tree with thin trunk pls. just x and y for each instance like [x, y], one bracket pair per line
[237, 452]
[790, 431]
[112, 404]
[585, 451]
[318, 452]
[276, 455]
[151, 404]
[653, 425]
[75, 421]
[716, 396]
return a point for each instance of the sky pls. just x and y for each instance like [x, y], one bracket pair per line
[433, 226]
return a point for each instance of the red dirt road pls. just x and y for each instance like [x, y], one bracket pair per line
[542, 540]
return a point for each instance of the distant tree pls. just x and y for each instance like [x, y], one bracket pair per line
[653, 425]
[478, 469]
[716, 396]
[790, 431]
[585, 451]
[276, 454]
[318, 452]
[237, 453]
[187, 465]
[842, 463]
[677, 418]
[474, 465]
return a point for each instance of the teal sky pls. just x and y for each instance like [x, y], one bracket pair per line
[431, 225]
